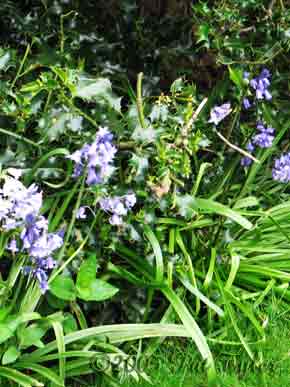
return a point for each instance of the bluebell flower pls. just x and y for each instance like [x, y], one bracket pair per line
[50, 263]
[218, 113]
[93, 177]
[116, 220]
[260, 84]
[81, 213]
[264, 139]
[130, 200]
[246, 103]
[97, 157]
[46, 263]
[20, 210]
[118, 207]
[12, 246]
[42, 278]
[247, 161]
[45, 245]
[32, 230]
[281, 169]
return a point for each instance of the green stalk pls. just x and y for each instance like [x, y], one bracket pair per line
[19, 137]
[72, 222]
[27, 51]
[139, 100]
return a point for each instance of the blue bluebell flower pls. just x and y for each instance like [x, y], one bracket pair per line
[20, 210]
[246, 103]
[97, 157]
[81, 213]
[42, 278]
[12, 246]
[281, 169]
[247, 161]
[265, 137]
[118, 207]
[260, 84]
[218, 113]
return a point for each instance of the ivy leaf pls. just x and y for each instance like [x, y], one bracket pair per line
[63, 287]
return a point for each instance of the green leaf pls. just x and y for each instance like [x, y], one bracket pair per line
[18, 377]
[236, 75]
[87, 271]
[250, 201]
[5, 333]
[202, 297]
[10, 355]
[177, 86]
[69, 324]
[191, 326]
[63, 287]
[58, 330]
[97, 290]
[203, 34]
[30, 335]
[58, 121]
[43, 371]
[96, 89]
[209, 206]
[8, 327]
[116, 333]
[157, 252]
[88, 287]
[4, 59]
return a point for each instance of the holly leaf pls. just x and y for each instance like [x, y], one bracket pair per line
[96, 89]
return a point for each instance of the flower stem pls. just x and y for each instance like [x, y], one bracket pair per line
[139, 100]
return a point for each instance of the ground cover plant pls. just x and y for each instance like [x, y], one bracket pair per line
[135, 212]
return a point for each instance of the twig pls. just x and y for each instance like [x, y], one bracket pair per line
[186, 128]
[243, 152]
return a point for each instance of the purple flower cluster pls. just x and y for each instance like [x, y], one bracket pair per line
[281, 169]
[97, 157]
[246, 161]
[263, 139]
[218, 113]
[118, 207]
[19, 210]
[260, 84]
[247, 104]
